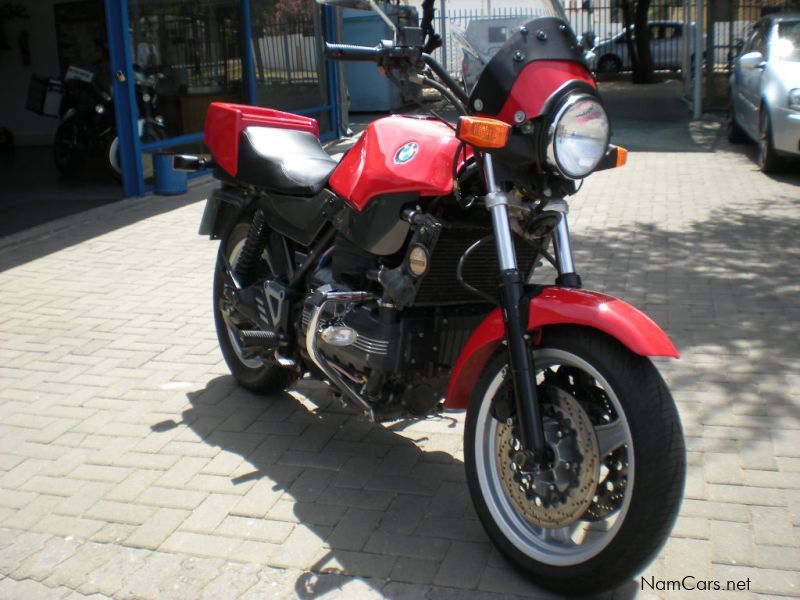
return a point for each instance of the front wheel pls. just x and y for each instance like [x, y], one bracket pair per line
[152, 132]
[735, 133]
[768, 159]
[609, 63]
[598, 511]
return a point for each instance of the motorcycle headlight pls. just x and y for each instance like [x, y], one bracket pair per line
[578, 136]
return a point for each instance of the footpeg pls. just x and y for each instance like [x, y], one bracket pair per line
[258, 339]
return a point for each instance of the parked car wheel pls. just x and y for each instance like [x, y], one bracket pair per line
[609, 63]
[768, 159]
[735, 133]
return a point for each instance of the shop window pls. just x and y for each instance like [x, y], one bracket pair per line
[288, 57]
[194, 50]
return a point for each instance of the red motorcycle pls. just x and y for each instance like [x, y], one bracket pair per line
[402, 276]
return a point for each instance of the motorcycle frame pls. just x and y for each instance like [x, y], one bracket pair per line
[524, 310]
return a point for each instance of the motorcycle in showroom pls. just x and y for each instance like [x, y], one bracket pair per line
[88, 126]
[403, 277]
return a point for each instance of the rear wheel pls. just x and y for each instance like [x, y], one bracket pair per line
[257, 373]
[599, 511]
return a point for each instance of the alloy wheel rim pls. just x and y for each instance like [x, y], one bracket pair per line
[582, 539]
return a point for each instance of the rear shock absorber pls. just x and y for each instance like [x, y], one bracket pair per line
[253, 246]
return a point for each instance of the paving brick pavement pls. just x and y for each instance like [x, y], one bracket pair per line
[131, 465]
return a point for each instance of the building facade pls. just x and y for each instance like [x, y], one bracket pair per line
[261, 52]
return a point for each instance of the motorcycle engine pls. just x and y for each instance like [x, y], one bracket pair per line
[397, 360]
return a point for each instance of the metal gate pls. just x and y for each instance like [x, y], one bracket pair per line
[677, 30]
[221, 50]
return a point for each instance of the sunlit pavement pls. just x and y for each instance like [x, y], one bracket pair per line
[131, 465]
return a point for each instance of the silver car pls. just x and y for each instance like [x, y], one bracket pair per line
[765, 90]
[666, 47]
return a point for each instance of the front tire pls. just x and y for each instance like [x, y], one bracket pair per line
[152, 133]
[612, 492]
[768, 159]
[258, 374]
[609, 63]
[735, 133]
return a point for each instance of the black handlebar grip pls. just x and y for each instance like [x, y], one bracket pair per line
[350, 52]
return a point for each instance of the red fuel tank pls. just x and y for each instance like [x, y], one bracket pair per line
[397, 154]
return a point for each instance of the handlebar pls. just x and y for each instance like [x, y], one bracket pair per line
[374, 54]
[351, 52]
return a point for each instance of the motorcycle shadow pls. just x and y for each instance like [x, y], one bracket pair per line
[387, 504]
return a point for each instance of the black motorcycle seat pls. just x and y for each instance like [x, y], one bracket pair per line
[283, 161]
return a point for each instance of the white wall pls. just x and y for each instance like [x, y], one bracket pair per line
[27, 127]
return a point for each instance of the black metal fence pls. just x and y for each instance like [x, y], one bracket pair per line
[600, 24]
[286, 52]
[205, 46]
[731, 24]
[199, 48]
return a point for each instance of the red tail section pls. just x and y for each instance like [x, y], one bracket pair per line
[225, 122]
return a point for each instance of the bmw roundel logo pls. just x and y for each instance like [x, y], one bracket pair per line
[406, 152]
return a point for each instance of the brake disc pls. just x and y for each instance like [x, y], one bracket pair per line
[560, 492]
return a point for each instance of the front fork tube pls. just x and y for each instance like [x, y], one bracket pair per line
[567, 276]
[515, 316]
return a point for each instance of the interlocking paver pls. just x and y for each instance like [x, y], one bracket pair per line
[463, 565]
[300, 548]
[132, 465]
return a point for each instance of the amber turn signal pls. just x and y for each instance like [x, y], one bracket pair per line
[622, 156]
[616, 156]
[482, 132]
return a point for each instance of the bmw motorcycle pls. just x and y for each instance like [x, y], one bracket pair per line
[88, 125]
[403, 277]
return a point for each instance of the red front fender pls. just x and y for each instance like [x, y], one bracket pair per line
[558, 306]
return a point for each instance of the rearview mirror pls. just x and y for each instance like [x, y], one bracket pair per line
[752, 60]
[363, 5]
[354, 4]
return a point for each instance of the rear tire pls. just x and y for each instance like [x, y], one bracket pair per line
[570, 554]
[263, 375]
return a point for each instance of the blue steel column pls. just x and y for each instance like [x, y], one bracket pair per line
[329, 16]
[248, 67]
[124, 88]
